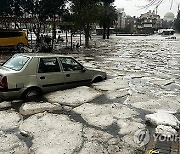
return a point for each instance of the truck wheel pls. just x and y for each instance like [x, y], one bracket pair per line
[20, 45]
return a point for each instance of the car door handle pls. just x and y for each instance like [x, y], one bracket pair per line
[68, 75]
[42, 77]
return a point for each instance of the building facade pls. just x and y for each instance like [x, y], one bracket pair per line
[148, 23]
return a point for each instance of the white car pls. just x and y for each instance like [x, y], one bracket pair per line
[26, 75]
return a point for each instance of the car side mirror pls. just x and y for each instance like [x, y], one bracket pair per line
[83, 69]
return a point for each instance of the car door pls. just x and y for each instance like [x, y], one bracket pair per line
[74, 73]
[50, 76]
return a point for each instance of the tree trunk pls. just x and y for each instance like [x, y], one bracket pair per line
[87, 35]
[53, 31]
[108, 32]
[80, 38]
[71, 41]
[66, 38]
[104, 32]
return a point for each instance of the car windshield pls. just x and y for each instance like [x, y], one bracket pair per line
[16, 62]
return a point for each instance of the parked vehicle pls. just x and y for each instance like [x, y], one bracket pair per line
[165, 32]
[13, 38]
[32, 37]
[26, 75]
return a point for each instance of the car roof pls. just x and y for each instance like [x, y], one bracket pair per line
[42, 55]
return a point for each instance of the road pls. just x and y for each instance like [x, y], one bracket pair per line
[143, 78]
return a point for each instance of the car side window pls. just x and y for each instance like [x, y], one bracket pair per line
[69, 64]
[47, 65]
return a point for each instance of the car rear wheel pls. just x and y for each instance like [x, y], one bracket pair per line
[31, 93]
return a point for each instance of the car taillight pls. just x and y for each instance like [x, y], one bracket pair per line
[4, 82]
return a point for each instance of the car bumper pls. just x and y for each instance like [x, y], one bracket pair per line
[7, 94]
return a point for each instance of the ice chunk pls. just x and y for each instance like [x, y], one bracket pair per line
[163, 118]
[9, 120]
[10, 143]
[92, 148]
[167, 131]
[5, 104]
[128, 127]
[34, 107]
[117, 94]
[73, 97]
[52, 133]
[104, 115]
[112, 84]
[153, 104]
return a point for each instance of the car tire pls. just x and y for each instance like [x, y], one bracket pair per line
[31, 93]
[97, 79]
[20, 45]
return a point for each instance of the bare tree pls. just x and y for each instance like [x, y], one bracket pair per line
[158, 2]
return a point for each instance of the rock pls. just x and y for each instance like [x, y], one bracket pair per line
[34, 107]
[73, 97]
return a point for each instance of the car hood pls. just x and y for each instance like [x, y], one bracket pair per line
[96, 71]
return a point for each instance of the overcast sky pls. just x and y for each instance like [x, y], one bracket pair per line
[132, 7]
